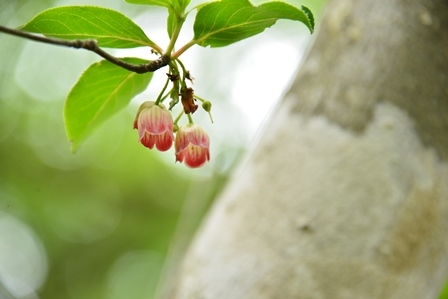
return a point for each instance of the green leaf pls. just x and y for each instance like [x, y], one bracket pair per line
[176, 15]
[171, 23]
[176, 10]
[221, 23]
[101, 91]
[164, 3]
[176, 5]
[180, 5]
[310, 16]
[110, 28]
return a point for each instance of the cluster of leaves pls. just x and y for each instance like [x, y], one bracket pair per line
[105, 88]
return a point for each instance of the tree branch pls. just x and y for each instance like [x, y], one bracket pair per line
[92, 45]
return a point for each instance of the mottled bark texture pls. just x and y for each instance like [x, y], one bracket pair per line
[346, 194]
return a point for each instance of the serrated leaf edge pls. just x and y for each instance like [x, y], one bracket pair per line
[307, 12]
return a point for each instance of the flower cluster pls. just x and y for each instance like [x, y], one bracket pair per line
[155, 128]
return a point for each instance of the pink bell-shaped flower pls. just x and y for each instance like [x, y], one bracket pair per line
[192, 145]
[155, 126]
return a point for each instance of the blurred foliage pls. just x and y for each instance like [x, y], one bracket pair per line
[444, 294]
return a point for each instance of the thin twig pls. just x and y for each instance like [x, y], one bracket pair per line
[92, 45]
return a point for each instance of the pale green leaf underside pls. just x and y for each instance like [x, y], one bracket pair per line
[180, 5]
[164, 3]
[176, 14]
[110, 28]
[177, 5]
[101, 91]
[171, 21]
[221, 23]
[176, 9]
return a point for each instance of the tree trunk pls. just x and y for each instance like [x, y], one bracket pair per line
[346, 194]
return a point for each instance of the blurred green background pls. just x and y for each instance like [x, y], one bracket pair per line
[100, 223]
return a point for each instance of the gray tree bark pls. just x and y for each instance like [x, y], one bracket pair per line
[346, 194]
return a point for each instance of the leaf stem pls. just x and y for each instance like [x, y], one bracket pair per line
[190, 119]
[183, 49]
[165, 96]
[91, 45]
[175, 35]
[199, 98]
[178, 117]
[207, 110]
[159, 98]
[184, 73]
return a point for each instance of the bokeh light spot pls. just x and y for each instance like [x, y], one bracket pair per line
[23, 261]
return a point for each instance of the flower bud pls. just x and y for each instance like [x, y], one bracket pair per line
[155, 126]
[207, 106]
[192, 145]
